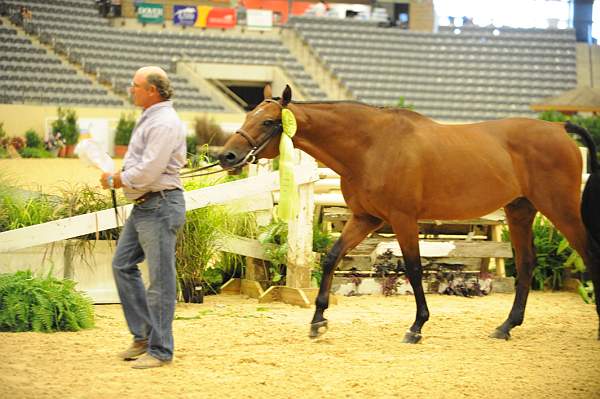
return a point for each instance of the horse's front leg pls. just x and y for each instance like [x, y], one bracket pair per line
[357, 228]
[407, 234]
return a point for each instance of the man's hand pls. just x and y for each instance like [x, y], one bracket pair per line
[111, 180]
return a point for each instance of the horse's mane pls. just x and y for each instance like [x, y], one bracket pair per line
[403, 111]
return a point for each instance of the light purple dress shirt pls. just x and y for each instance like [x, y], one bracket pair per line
[157, 151]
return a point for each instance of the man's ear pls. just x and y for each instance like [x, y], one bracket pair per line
[267, 91]
[286, 97]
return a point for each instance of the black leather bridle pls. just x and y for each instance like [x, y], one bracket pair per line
[251, 156]
[257, 147]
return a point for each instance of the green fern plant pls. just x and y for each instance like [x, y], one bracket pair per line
[29, 303]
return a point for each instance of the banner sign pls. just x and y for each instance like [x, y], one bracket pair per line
[151, 13]
[259, 19]
[211, 17]
[221, 18]
[185, 15]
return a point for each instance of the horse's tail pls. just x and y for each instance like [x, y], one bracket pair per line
[590, 211]
[587, 140]
[590, 201]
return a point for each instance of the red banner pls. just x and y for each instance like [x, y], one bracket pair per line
[221, 18]
[280, 7]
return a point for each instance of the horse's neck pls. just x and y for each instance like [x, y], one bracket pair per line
[332, 136]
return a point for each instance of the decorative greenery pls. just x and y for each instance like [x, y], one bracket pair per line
[66, 126]
[32, 139]
[199, 261]
[553, 255]
[29, 152]
[29, 303]
[3, 133]
[276, 234]
[192, 145]
[17, 211]
[403, 104]
[124, 129]
[586, 291]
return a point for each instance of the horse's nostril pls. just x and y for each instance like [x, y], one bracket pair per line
[227, 158]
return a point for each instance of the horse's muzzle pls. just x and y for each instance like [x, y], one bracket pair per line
[228, 158]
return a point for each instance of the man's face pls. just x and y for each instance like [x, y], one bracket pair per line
[141, 93]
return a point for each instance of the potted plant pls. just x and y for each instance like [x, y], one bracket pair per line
[66, 128]
[123, 134]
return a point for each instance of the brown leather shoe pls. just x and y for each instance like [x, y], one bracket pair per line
[148, 361]
[136, 349]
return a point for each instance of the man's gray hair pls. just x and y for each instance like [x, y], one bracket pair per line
[162, 84]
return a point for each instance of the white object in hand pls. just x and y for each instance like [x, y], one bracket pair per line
[90, 153]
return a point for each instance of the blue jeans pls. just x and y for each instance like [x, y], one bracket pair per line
[150, 233]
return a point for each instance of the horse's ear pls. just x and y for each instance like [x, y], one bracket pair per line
[267, 92]
[286, 97]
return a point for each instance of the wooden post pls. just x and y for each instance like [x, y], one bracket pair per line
[497, 236]
[299, 256]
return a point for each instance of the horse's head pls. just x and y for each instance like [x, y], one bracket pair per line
[259, 135]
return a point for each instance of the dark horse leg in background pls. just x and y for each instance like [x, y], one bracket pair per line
[520, 215]
[590, 212]
[355, 230]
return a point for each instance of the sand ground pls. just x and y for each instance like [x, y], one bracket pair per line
[231, 346]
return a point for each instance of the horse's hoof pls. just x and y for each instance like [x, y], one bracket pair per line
[499, 334]
[318, 329]
[412, 338]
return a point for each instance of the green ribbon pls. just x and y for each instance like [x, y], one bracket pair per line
[289, 203]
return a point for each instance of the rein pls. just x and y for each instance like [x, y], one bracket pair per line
[192, 172]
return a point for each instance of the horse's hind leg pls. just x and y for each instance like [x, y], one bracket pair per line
[520, 215]
[353, 233]
[407, 234]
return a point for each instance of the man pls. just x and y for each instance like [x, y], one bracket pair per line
[150, 178]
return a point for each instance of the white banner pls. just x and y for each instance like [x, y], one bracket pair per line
[259, 19]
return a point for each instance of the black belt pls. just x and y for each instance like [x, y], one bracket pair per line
[151, 194]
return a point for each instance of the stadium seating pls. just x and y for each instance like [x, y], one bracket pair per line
[473, 74]
[29, 74]
[114, 53]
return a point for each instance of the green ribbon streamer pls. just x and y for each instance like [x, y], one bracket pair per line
[289, 203]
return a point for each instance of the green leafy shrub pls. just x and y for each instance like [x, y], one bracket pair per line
[29, 303]
[35, 152]
[32, 139]
[199, 260]
[124, 129]
[553, 255]
[276, 234]
[20, 212]
[65, 126]
[3, 133]
[274, 238]
[192, 145]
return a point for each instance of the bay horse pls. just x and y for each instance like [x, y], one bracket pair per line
[398, 166]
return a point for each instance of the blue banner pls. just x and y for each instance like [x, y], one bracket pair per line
[185, 15]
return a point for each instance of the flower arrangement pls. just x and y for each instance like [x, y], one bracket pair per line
[54, 142]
